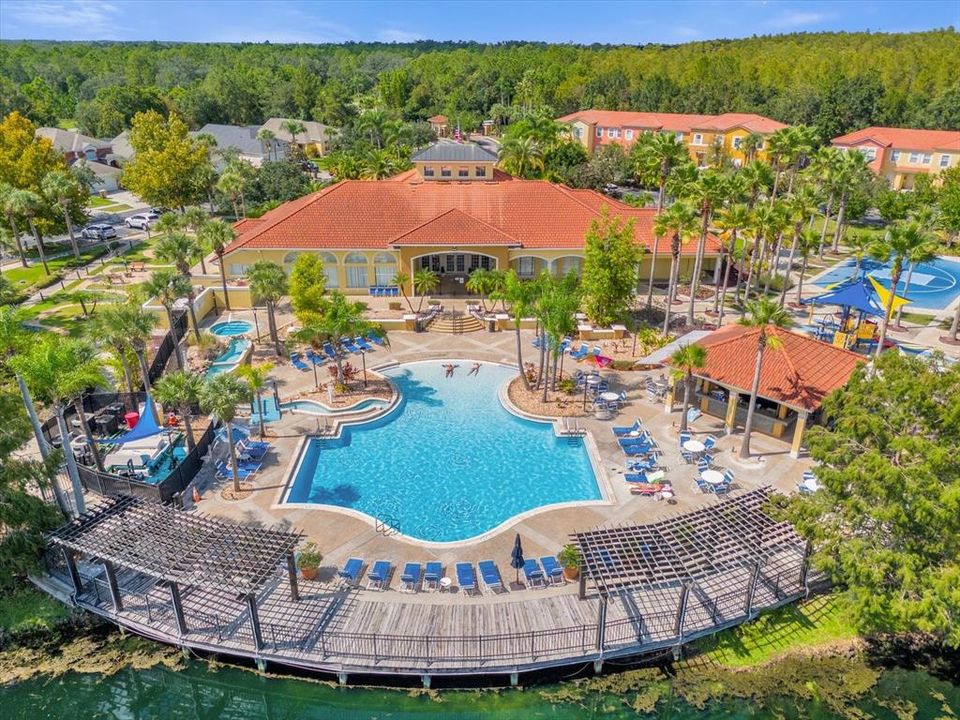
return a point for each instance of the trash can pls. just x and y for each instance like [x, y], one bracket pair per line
[131, 419]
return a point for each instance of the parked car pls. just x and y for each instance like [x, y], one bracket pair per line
[141, 221]
[98, 231]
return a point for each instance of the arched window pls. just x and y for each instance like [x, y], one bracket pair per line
[290, 257]
[357, 275]
[385, 269]
[329, 261]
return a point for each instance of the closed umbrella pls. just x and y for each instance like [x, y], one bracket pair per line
[516, 557]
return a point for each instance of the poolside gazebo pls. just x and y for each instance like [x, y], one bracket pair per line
[794, 380]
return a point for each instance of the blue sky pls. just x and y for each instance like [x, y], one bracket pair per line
[578, 21]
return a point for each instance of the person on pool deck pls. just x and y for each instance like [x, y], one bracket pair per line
[475, 370]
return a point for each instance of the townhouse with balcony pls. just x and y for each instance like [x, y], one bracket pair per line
[900, 154]
[705, 136]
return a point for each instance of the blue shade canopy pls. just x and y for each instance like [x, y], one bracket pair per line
[858, 295]
[146, 426]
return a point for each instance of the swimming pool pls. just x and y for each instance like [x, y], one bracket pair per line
[312, 407]
[934, 285]
[230, 328]
[229, 358]
[448, 463]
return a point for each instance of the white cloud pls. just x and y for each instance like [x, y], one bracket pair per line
[398, 36]
[790, 20]
[86, 16]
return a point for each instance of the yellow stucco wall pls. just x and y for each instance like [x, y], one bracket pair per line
[455, 168]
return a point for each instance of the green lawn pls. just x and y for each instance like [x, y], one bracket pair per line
[66, 123]
[97, 201]
[916, 318]
[118, 207]
[820, 621]
[34, 276]
[27, 607]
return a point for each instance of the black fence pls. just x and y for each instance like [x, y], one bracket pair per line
[167, 345]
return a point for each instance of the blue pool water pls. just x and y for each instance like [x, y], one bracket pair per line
[229, 358]
[231, 327]
[310, 407]
[270, 411]
[934, 285]
[449, 463]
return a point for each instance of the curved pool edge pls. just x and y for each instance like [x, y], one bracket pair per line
[603, 483]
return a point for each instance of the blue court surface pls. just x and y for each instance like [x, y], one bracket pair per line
[934, 285]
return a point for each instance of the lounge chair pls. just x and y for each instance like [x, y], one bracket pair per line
[533, 573]
[620, 431]
[246, 443]
[225, 472]
[466, 577]
[580, 353]
[379, 576]
[636, 477]
[351, 571]
[329, 351]
[376, 339]
[363, 344]
[299, 364]
[709, 442]
[597, 351]
[490, 575]
[410, 577]
[347, 344]
[432, 575]
[552, 569]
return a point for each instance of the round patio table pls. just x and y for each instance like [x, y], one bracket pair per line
[609, 396]
[714, 477]
[694, 446]
[445, 584]
[593, 380]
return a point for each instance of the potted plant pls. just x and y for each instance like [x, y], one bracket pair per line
[308, 560]
[569, 558]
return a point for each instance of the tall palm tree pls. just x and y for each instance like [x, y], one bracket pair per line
[731, 221]
[780, 149]
[750, 146]
[109, 329]
[295, 128]
[655, 157]
[139, 326]
[679, 221]
[27, 203]
[267, 138]
[232, 185]
[520, 156]
[178, 249]
[806, 244]
[852, 174]
[685, 360]
[6, 194]
[920, 254]
[858, 245]
[756, 179]
[425, 281]
[268, 282]
[520, 296]
[378, 164]
[180, 389]
[192, 219]
[898, 245]
[708, 193]
[339, 318]
[219, 398]
[217, 235]
[803, 140]
[556, 304]
[401, 280]
[481, 283]
[168, 287]
[256, 377]
[768, 222]
[59, 186]
[798, 206]
[765, 315]
[57, 371]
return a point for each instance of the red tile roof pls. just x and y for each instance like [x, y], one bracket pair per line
[377, 214]
[747, 121]
[674, 122]
[903, 138]
[438, 119]
[800, 373]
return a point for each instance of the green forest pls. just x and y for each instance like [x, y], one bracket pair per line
[834, 82]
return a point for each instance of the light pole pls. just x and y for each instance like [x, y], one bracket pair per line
[363, 359]
[316, 380]
[257, 323]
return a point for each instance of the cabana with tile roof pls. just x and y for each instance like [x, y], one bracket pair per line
[794, 379]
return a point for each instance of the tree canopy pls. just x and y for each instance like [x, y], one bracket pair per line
[610, 265]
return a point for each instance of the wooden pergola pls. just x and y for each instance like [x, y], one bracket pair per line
[178, 549]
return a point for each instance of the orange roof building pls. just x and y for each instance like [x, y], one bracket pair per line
[900, 154]
[704, 135]
[366, 231]
[794, 379]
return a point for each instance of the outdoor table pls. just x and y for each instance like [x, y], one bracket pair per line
[694, 446]
[593, 379]
[445, 584]
[609, 396]
[714, 477]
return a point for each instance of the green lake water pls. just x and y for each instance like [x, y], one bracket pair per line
[200, 691]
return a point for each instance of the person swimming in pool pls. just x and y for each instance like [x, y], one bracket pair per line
[475, 370]
[450, 368]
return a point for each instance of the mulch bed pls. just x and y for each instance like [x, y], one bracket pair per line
[228, 493]
[558, 404]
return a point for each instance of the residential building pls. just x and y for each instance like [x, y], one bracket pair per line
[367, 231]
[244, 141]
[314, 140]
[107, 176]
[439, 124]
[75, 145]
[705, 136]
[120, 149]
[900, 154]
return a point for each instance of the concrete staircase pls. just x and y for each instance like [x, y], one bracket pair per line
[454, 324]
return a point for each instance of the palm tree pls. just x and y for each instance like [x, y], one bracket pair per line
[217, 235]
[731, 221]
[920, 254]
[59, 187]
[57, 371]
[192, 219]
[780, 148]
[6, 194]
[750, 145]
[756, 179]
[27, 203]
[520, 295]
[858, 245]
[655, 156]
[806, 244]
[799, 205]
[520, 156]
[556, 304]
[481, 282]
[425, 281]
[852, 173]
[180, 389]
[109, 329]
[295, 128]
[708, 193]
[168, 287]
[378, 164]
[268, 282]
[768, 222]
[685, 360]
[898, 245]
[178, 249]
[219, 398]
[338, 318]
[680, 222]
[267, 138]
[256, 377]
[401, 280]
[373, 122]
[232, 185]
[765, 315]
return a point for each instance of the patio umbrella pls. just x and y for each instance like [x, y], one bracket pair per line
[601, 361]
[516, 557]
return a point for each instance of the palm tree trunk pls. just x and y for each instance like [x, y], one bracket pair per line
[193, 317]
[774, 264]
[173, 336]
[40, 251]
[672, 283]
[16, 239]
[663, 189]
[272, 322]
[70, 460]
[236, 209]
[803, 270]
[233, 457]
[42, 444]
[823, 230]
[223, 282]
[653, 268]
[723, 291]
[786, 272]
[406, 299]
[127, 375]
[94, 450]
[541, 365]
[188, 426]
[894, 279]
[955, 325]
[70, 233]
[906, 289]
[748, 425]
[686, 401]
[144, 369]
[697, 264]
[740, 261]
[523, 374]
[759, 257]
[838, 231]
[776, 184]
[243, 205]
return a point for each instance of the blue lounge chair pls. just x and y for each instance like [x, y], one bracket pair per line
[533, 573]
[636, 477]
[329, 351]
[254, 451]
[432, 575]
[347, 344]
[709, 442]
[244, 470]
[466, 577]
[490, 575]
[410, 577]
[580, 353]
[597, 351]
[684, 436]
[299, 364]
[379, 576]
[363, 344]
[376, 339]
[246, 442]
[351, 571]
[728, 477]
[315, 358]
[626, 430]
[552, 569]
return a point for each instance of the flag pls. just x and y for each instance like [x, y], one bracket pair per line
[456, 133]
